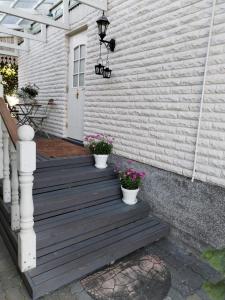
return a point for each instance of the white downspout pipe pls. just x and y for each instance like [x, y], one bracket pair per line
[203, 89]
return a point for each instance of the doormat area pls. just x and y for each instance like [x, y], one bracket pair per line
[55, 147]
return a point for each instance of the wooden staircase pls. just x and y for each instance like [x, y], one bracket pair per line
[81, 223]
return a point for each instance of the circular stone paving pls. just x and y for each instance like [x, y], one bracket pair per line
[134, 278]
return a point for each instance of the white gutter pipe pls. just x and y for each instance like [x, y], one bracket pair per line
[203, 89]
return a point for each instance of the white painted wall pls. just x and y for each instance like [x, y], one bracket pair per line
[151, 103]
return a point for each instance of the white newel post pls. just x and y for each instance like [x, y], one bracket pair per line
[26, 158]
[15, 209]
[1, 149]
[6, 170]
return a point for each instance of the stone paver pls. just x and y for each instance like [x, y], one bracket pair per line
[188, 274]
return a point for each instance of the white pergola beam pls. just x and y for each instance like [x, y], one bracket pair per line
[66, 15]
[13, 4]
[12, 46]
[98, 4]
[8, 53]
[25, 35]
[35, 18]
[39, 3]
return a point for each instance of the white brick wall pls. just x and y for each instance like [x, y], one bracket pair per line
[46, 66]
[151, 103]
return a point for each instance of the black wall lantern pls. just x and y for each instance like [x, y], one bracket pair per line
[100, 69]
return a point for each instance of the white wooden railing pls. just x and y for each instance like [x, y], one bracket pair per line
[17, 164]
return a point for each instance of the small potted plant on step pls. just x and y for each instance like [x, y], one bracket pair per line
[100, 146]
[131, 181]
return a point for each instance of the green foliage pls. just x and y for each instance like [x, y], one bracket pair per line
[215, 291]
[28, 92]
[100, 148]
[216, 259]
[99, 144]
[9, 74]
[130, 179]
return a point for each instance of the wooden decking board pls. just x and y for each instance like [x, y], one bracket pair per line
[54, 201]
[49, 179]
[60, 162]
[78, 215]
[89, 224]
[88, 246]
[73, 208]
[77, 189]
[97, 260]
[85, 236]
[41, 191]
[89, 241]
[97, 249]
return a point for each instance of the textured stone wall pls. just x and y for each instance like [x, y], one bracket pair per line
[195, 211]
[151, 103]
[46, 66]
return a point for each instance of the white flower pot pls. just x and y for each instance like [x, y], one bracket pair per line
[129, 196]
[101, 161]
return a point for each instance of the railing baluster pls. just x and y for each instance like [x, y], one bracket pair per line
[26, 151]
[15, 209]
[6, 170]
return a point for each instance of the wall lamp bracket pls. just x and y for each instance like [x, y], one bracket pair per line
[111, 45]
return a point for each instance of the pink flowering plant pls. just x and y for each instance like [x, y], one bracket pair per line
[131, 179]
[99, 144]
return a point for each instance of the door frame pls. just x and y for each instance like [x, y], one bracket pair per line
[74, 31]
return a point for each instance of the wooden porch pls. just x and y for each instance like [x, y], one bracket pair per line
[80, 222]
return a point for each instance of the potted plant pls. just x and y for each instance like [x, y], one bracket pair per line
[131, 181]
[28, 93]
[100, 146]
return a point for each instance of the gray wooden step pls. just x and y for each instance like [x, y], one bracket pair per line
[63, 163]
[66, 178]
[67, 264]
[81, 224]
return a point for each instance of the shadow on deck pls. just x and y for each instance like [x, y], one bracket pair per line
[80, 222]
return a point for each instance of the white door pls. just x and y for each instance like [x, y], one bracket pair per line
[77, 60]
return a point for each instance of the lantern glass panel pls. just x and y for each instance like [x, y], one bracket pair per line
[107, 73]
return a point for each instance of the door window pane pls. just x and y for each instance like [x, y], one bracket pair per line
[79, 66]
[75, 81]
[82, 63]
[81, 79]
[76, 53]
[82, 51]
[76, 64]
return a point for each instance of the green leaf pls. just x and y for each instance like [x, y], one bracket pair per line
[216, 259]
[215, 291]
